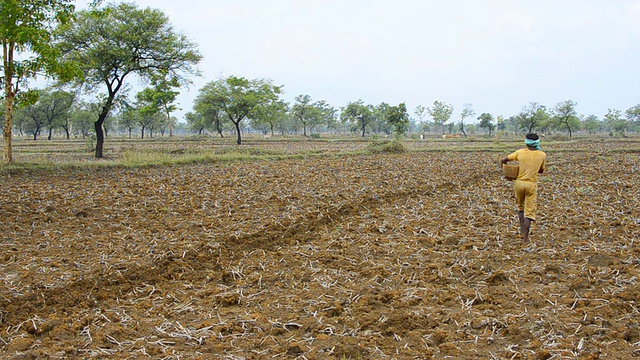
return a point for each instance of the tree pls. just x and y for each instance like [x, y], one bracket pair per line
[271, 114]
[127, 119]
[614, 120]
[532, 117]
[380, 123]
[119, 41]
[81, 116]
[196, 122]
[591, 123]
[26, 33]
[55, 106]
[239, 98]
[440, 112]
[567, 116]
[398, 117]
[358, 114]
[48, 112]
[421, 112]
[486, 122]
[304, 111]
[31, 119]
[467, 111]
[327, 114]
[161, 96]
[207, 113]
[314, 114]
[633, 114]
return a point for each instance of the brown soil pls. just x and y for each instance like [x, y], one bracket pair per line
[407, 256]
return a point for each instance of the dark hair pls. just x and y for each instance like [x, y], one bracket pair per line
[532, 136]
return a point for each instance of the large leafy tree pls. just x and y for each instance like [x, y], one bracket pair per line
[381, 124]
[359, 115]
[398, 117]
[328, 113]
[270, 115]
[120, 41]
[306, 112]
[239, 98]
[486, 122]
[633, 114]
[591, 124]
[26, 28]
[440, 112]
[615, 121]
[207, 114]
[196, 122]
[161, 96]
[532, 117]
[50, 111]
[147, 113]
[566, 115]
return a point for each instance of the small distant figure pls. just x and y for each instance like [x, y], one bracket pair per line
[531, 161]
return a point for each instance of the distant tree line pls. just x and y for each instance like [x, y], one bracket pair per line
[65, 113]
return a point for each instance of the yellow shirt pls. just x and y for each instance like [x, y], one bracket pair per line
[530, 163]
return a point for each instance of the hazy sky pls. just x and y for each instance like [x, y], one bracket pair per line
[497, 55]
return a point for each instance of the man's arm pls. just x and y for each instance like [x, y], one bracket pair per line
[541, 170]
[544, 163]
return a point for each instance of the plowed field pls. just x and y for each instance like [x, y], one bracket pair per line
[380, 256]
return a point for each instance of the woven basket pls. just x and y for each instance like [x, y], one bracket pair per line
[510, 171]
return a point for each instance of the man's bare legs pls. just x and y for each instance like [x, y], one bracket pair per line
[525, 226]
[521, 219]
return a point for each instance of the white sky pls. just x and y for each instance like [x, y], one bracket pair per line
[498, 55]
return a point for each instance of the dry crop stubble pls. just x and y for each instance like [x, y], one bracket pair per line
[368, 256]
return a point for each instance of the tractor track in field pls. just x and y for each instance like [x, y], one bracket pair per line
[116, 283]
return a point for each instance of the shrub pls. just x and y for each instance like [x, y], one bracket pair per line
[395, 146]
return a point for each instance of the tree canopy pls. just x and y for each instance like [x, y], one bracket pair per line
[358, 114]
[566, 115]
[440, 112]
[239, 98]
[486, 122]
[26, 30]
[398, 117]
[118, 41]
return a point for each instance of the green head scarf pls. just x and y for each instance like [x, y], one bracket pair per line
[533, 143]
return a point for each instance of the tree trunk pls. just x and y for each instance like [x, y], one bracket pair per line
[8, 120]
[98, 124]
[170, 125]
[237, 124]
[10, 96]
[99, 137]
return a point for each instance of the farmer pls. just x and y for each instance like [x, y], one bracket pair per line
[531, 161]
